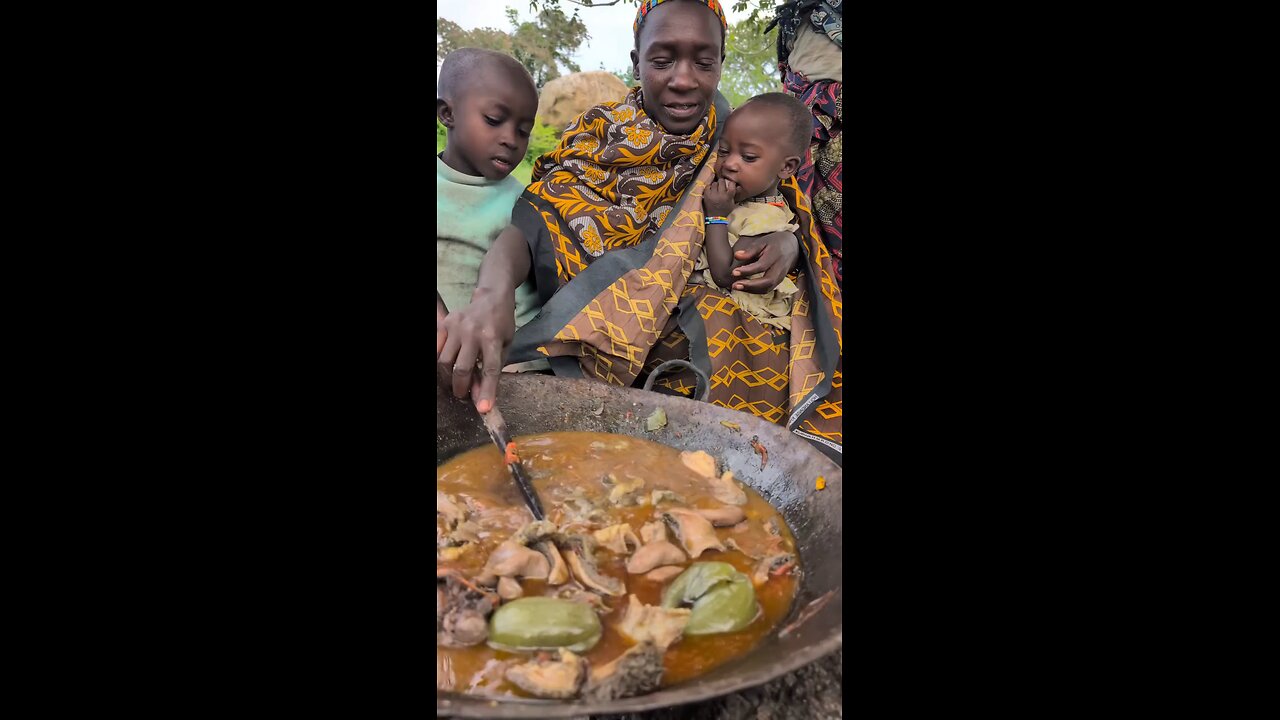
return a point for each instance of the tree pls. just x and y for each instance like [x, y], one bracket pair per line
[758, 8]
[627, 75]
[542, 46]
[751, 57]
[750, 62]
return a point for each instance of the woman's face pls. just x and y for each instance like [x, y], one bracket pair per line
[678, 64]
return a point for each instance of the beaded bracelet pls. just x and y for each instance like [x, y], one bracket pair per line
[717, 220]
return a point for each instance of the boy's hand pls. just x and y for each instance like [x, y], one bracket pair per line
[442, 312]
[717, 199]
[476, 338]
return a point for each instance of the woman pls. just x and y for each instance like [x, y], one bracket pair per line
[610, 228]
[809, 58]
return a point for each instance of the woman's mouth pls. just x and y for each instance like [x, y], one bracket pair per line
[682, 111]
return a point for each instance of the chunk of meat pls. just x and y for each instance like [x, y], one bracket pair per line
[636, 671]
[658, 625]
[772, 566]
[466, 606]
[663, 574]
[559, 573]
[623, 492]
[727, 491]
[700, 462]
[513, 560]
[653, 555]
[575, 592]
[580, 554]
[693, 531]
[754, 544]
[580, 508]
[509, 589]
[660, 496]
[448, 508]
[465, 532]
[553, 679]
[619, 538]
[534, 531]
[723, 516]
[451, 554]
[653, 532]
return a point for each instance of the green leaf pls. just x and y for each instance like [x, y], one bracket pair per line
[657, 420]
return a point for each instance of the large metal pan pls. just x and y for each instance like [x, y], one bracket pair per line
[539, 403]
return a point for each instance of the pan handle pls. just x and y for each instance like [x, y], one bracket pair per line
[702, 390]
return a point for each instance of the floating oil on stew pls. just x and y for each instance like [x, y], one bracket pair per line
[588, 482]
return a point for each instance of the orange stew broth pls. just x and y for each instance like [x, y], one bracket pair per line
[559, 462]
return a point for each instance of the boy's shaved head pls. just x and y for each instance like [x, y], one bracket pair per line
[465, 66]
[797, 128]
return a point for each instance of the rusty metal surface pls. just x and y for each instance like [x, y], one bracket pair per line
[540, 403]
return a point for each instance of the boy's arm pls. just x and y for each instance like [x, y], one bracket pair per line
[717, 201]
[442, 312]
[481, 332]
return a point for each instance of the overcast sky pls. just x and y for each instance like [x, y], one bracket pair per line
[610, 27]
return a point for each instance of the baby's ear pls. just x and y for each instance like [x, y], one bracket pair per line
[444, 113]
[789, 167]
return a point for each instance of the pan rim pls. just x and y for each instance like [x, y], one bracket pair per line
[694, 690]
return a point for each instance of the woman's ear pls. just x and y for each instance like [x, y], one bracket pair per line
[789, 167]
[444, 113]
[635, 65]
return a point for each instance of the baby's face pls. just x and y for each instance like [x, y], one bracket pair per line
[490, 127]
[751, 152]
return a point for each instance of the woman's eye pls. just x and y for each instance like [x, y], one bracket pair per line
[523, 133]
[706, 64]
[749, 158]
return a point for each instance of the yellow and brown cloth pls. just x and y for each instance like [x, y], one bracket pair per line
[614, 222]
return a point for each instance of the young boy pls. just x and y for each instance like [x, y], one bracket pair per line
[764, 143]
[487, 102]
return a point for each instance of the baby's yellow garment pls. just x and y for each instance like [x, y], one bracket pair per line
[756, 218]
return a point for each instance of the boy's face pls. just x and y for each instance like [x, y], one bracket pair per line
[489, 124]
[678, 64]
[751, 152]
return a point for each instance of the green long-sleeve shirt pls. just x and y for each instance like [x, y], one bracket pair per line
[470, 212]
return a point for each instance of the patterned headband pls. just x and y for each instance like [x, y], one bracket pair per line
[646, 6]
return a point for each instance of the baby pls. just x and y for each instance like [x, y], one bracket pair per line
[764, 143]
[487, 102]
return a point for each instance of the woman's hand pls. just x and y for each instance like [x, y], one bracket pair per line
[774, 255]
[477, 335]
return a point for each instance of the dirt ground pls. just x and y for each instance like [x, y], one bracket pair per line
[813, 692]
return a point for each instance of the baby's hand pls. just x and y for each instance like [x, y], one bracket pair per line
[717, 199]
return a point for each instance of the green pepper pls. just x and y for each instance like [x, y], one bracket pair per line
[543, 623]
[722, 598]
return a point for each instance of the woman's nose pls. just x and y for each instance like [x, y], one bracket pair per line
[682, 77]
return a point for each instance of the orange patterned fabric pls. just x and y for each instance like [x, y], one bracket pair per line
[616, 174]
[634, 322]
